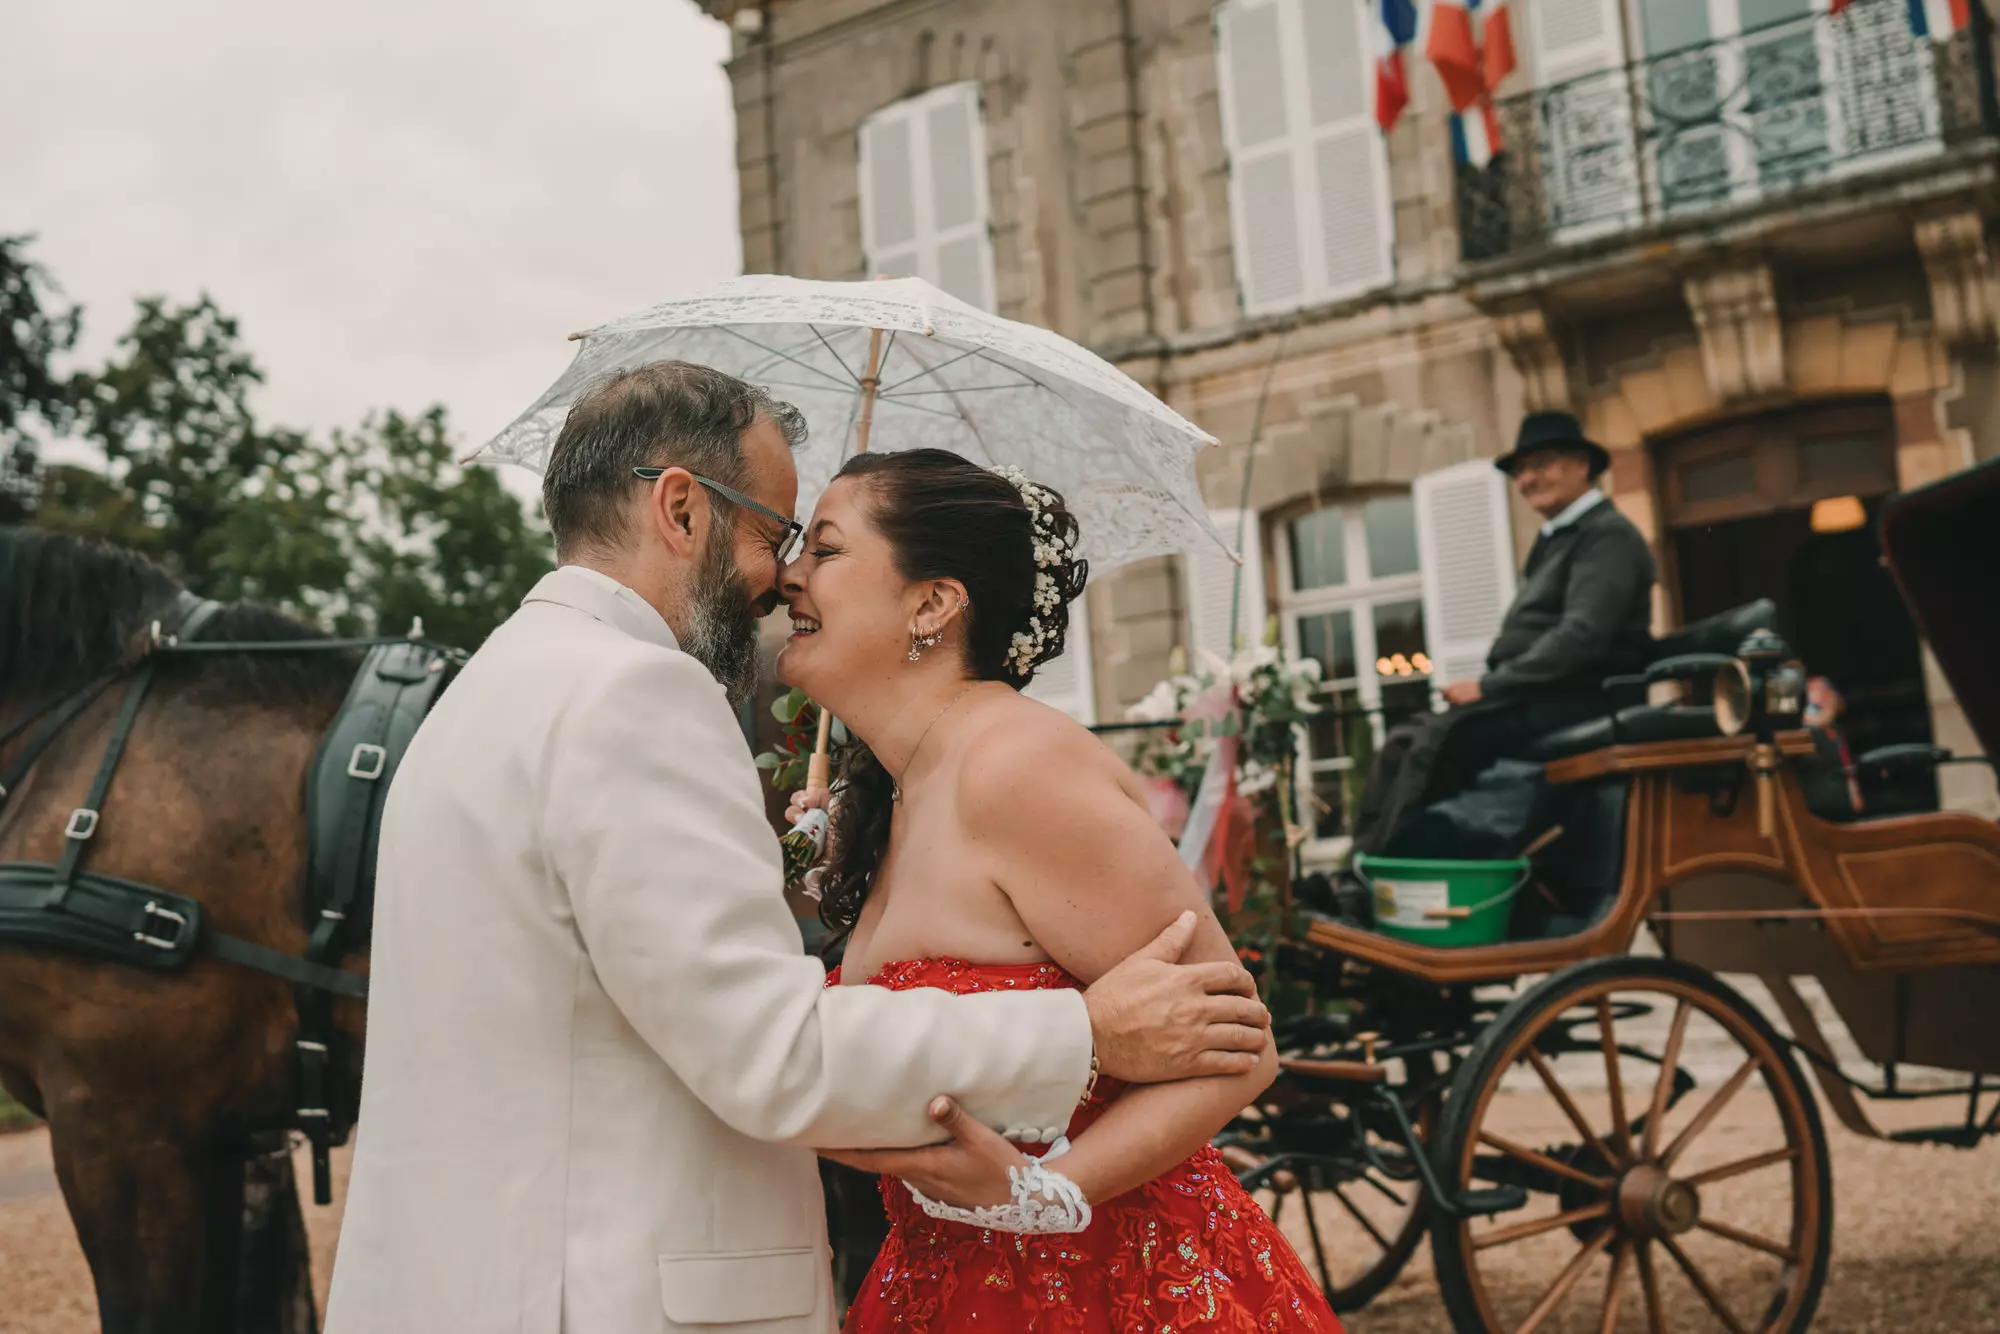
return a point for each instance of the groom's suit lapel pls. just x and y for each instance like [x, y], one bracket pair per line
[603, 598]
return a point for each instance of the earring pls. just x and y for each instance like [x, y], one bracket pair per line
[918, 643]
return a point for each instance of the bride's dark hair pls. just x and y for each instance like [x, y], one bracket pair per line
[945, 518]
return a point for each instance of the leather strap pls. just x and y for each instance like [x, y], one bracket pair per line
[83, 821]
[292, 969]
[61, 711]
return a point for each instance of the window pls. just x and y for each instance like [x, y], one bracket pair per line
[1308, 178]
[1352, 599]
[924, 208]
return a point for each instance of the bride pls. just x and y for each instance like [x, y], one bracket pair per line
[985, 841]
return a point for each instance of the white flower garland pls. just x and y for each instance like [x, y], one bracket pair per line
[1052, 552]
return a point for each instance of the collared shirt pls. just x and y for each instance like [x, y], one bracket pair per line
[596, 593]
[1579, 507]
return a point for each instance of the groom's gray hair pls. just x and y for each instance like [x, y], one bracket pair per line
[671, 414]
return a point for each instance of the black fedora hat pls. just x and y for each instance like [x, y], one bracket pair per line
[1553, 430]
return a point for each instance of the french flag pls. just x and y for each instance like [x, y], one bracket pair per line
[1939, 19]
[1395, 28]
[1471, 44]
[1935, 19]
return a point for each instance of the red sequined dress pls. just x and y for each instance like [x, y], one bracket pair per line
[1188, 1251]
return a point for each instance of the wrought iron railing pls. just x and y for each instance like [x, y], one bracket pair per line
[1734, 121]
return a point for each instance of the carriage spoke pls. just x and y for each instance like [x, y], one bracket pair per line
[1669, 1060]
[1393, 1197]
[1535, 1227]
[1614, 1288]
[1543, 1161]
[1359, 1217]
[1621, 1129]
[1568, 1105]
[1566, 1280]
[1702, 1285]
[1709, 1113]
[1649, 1288]
[1312, 1230]
[1727, 1170]
[1750, 1239]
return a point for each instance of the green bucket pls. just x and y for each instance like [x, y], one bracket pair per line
[1441, 903]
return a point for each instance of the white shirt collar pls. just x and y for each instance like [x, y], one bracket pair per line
[597, 594]
[1579, 507]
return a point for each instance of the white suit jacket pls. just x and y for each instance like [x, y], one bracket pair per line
[596, 1051]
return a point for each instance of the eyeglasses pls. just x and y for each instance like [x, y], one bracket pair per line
[784, 548]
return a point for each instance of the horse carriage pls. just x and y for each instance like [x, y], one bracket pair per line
[1665, 1165]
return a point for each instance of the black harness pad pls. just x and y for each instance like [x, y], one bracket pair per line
[349, 781]
[102, 917]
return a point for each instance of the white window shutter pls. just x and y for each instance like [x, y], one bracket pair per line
[1264, 189]
[1465, 544]
[1308, 172]
[960, 252]
[889, 233]
[1568, 38]
[1215, 583]
[1068, 683]
[924, 208]
[1349, 161]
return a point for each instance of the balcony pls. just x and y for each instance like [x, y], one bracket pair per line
[1814, 106]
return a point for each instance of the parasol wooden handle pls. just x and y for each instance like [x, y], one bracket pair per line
[817, 769]
[871, 380]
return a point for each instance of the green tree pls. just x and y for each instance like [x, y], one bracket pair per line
[235, 509]
[34, 331]
[440, 541]
[361, 531]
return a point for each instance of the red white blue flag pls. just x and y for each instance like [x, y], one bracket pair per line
[1935, 19]
[1939, 19]
[1395, 28]
[1471, 45]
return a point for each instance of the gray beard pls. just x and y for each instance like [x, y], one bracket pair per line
[722, 623]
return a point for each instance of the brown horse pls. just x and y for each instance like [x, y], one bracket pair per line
[167, 1093]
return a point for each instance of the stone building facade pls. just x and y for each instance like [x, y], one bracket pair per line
[1747, 243]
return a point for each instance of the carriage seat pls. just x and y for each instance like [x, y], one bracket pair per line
[1632, 720]
[1628, 726]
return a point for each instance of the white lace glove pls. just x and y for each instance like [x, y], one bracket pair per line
[1044, 1201]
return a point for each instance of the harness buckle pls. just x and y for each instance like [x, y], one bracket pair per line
[179, 922]
[82, 824]
[368, 761]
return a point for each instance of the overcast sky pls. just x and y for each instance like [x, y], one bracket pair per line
[402, 202]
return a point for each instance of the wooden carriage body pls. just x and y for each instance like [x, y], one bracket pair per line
[1715, 839]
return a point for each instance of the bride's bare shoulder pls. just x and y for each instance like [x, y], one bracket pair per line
[1025, 752]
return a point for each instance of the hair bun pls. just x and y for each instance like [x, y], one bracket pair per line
[1060, 575]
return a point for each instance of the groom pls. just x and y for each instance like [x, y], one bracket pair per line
[598, 1062]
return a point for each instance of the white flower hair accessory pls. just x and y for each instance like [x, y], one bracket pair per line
[1052, 552]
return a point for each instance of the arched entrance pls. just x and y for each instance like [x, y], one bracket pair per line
[1783, 505]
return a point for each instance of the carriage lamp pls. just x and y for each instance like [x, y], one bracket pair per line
[1785, 691]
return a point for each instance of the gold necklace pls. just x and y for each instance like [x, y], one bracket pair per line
[896, 787]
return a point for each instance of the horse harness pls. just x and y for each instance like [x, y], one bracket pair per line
[67, 907]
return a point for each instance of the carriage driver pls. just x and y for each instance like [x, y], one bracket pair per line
[1582, 613]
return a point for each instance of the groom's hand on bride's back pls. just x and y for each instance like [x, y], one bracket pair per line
[1155, 1019]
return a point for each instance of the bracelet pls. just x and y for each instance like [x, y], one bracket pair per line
[1090, 1081]
[1044, 1201]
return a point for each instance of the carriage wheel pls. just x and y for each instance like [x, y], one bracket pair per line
[1354, 1226]
[1681, 1166]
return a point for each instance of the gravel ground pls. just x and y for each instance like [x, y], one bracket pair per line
[1916, 1239]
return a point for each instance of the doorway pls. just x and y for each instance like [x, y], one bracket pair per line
[1786, 507]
